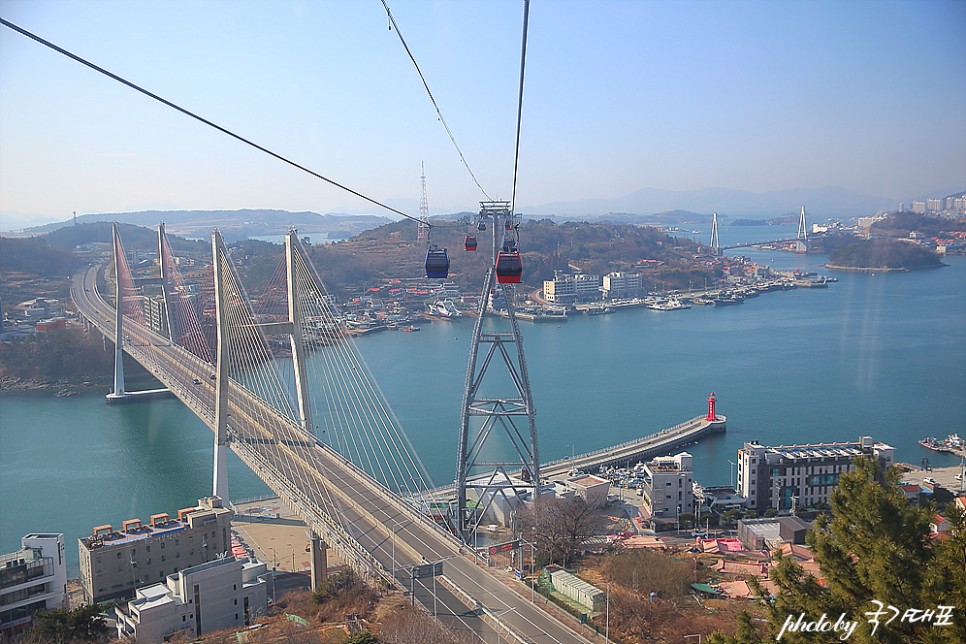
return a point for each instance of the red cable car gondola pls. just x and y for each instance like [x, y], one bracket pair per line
[437, 263]
[470, 243]
[509, 267]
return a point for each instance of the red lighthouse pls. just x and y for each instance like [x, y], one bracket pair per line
[711, 417]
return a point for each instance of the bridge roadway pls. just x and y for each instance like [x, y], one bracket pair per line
[392, 534]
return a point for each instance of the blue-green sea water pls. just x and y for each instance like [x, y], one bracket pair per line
[880, 354]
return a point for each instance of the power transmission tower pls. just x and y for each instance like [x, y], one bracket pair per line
[422, 228]
[497, 455]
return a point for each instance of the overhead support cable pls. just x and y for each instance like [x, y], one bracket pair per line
[207, 122]
[439, 113]
[523, 66]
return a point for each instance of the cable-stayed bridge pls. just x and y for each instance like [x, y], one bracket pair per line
[338, 458]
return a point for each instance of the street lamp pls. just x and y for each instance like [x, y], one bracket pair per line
[607, 614]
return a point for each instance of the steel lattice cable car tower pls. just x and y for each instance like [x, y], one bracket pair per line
[497, 456]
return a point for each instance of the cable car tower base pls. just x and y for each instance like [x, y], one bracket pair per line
[498, 460]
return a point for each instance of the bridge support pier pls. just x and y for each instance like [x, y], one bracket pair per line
[319, 559]
[219, 485]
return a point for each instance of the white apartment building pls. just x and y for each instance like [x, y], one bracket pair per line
[567, 289]
[668, 485]
[777, 477]
[220, 594]
[113, 563]
[31, 579]
[622, 285]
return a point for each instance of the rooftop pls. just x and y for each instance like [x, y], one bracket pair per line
[144, 532]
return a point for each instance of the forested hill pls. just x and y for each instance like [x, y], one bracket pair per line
[392, 250]
[882, 254]
[51, 255]
[900, 224]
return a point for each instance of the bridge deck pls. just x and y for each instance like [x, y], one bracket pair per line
[351, 511]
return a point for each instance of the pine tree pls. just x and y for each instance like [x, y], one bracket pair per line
[875, 552]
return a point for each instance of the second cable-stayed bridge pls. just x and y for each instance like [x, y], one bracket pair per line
[364, 491]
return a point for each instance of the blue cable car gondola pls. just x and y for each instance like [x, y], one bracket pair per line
[437, 263]
[470, 243]
[509, 267]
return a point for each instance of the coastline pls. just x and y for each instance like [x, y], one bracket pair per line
[880, 269]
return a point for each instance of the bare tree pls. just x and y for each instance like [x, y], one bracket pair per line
[414, 626]
[559, 527]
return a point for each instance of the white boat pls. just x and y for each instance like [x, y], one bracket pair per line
[670, 304]
[444, 309]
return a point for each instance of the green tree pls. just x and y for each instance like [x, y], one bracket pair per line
[64, 626]
[875, 552]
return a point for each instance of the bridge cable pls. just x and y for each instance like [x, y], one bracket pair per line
[221, 129]
[439, 113]
[523, 65]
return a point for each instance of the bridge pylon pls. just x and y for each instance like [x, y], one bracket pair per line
[801, 238]
[220, 466]
[118, 392]
[496, 458]
[715, 242]
[166, 283]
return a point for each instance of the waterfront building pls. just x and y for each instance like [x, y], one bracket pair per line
[568, 289]
[771, 533]
[620, 285]
[220, 594]
[31, 579]
[592, 489]
[787, 476]
[114, 563]
[668, 485]
[718, 499]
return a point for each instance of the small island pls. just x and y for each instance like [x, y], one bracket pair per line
[881, 255]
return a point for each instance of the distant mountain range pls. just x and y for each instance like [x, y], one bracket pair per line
[819, 202]
[233, 224]
[647, 205]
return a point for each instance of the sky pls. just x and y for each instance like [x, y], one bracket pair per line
[619, 95]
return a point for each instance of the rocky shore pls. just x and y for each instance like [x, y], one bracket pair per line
[60, 388]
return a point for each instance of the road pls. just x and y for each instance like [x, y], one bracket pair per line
[352, 512]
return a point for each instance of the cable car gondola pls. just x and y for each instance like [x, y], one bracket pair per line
[437, 263]
[470, 243]
[509, 267]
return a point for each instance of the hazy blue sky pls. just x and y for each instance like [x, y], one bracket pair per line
[620, 95]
